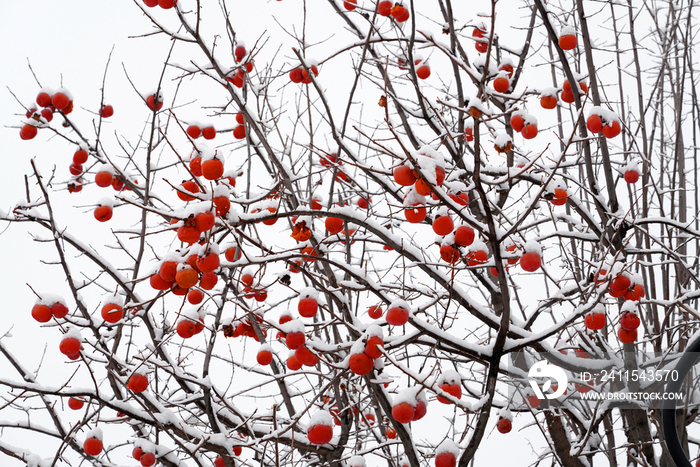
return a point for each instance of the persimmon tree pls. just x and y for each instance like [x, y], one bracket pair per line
[346, 240]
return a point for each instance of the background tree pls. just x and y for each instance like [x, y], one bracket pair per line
[366, 214]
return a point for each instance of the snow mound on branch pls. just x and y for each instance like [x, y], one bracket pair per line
[74, 333]
[192, 314]
[636, 278]
[631, 165]
[505, 244]
[448, 446]
[400, 303]
[478, 245]
[409, 395]
[414, 198]
[374, 330]
[34, 460]
[307, 220]
[596, 110]
[503, 74]
[533, 246]
[505, 413]
[49, 299]
[579, 77]
[432, 153]
[618, 268]
[449, 377]
[158, 95]
[567, 31]
[173, 256]
[478, 105]
[357, 348]
[205, 249]
[113, 299]
[95, 433]
[594, 441]
[607, 115]
[446, 240]
[308, 292]
[286, 313]
[519, 113]
[294, 325]
[427, 166]
[248, 270]
[199, 124]
[550, 92]
[105, 168]
[221, 190]
[205, 151]
[520, 161]
[66, 92]
[529, 119]
[144, 444]
[196, 207]
[259, 209]
[106, 202]
[318, 198]
[502, 139]
[182, 266]
[311, 62]
[321, 417]
[556, 183]
[356, 461]
[455, 186]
